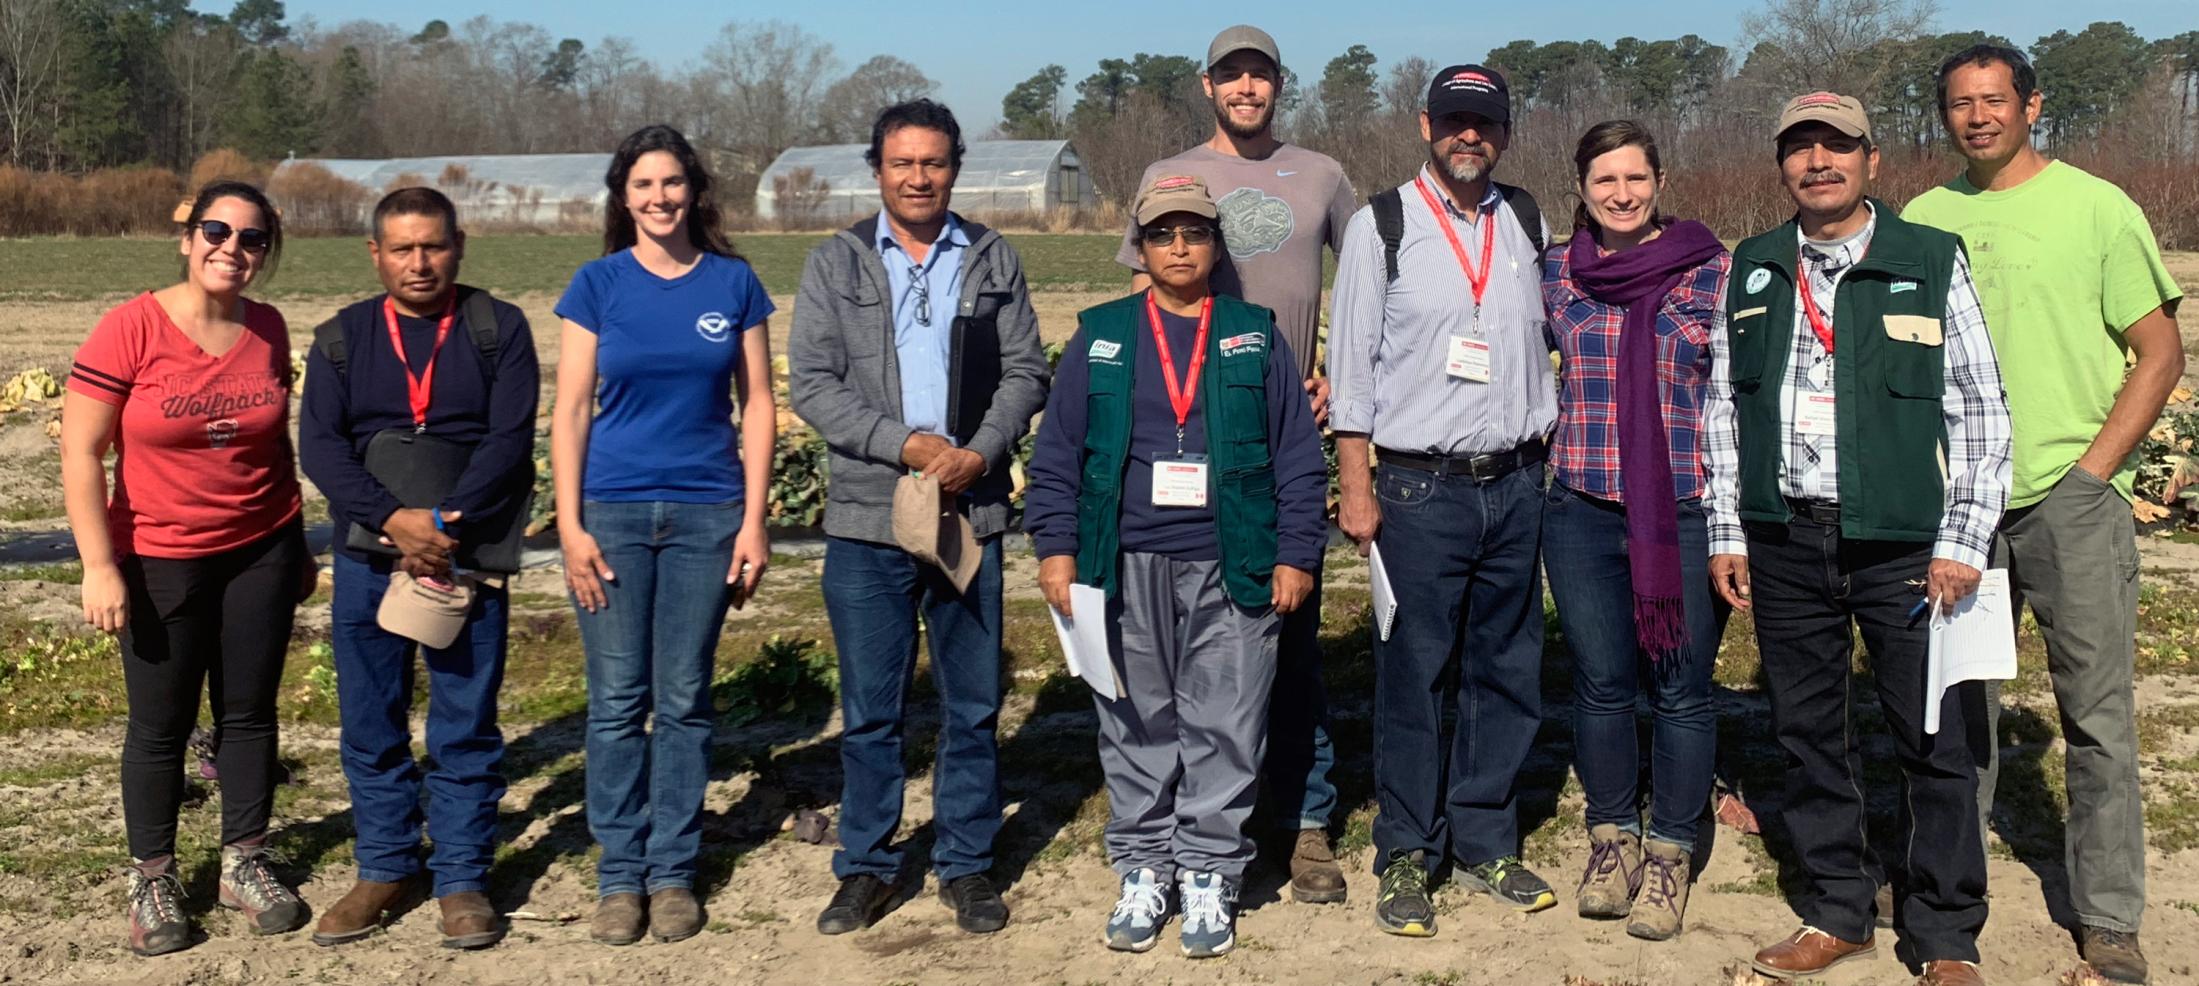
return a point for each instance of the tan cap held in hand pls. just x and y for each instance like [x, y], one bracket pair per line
[431, 611]
[927, 524]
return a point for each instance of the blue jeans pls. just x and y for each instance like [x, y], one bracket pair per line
[1584, 540]
[651, 651]
[1462, 557]
[374, 679]
[873, 593]
[1299, 754]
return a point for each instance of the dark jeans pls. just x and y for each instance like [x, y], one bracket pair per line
[223, 620]
[873, 594]
[374, 681]
[651, 650]
[1813, 591]
[1462, 558]
[1584, 548]
[1299, 755]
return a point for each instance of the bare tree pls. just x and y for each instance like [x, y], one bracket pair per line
[759, 88]
[1847, 46]
[30, 63]
[848, 107]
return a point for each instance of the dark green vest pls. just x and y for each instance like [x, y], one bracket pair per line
[1241, 470]
[1888, 331]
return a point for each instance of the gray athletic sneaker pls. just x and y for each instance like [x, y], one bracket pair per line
[1139, 913]
[1209, 914]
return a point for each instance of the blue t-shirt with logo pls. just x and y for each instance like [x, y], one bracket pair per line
[665, 354]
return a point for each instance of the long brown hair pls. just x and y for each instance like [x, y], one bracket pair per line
[704, 223]
[1602, 139]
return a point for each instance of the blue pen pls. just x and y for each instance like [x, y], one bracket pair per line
[1919, 608]
[437, 514]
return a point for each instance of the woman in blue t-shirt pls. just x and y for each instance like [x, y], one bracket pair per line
[660, 509]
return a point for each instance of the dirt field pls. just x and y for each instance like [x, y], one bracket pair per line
[61, 844]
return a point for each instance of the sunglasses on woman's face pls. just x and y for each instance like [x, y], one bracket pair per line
[251, 239]
[1160, 236]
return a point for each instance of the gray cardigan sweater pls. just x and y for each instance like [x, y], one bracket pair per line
[844, 375]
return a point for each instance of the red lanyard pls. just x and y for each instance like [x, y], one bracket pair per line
[1480, 280]
[1179, 398]
[418, 388]
[1818, 324]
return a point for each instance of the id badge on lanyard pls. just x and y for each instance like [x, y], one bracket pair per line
[1468, 358]
[1180, 480]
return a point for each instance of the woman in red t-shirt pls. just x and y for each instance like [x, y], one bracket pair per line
[199, 554]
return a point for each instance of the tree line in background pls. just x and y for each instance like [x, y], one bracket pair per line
[90, 86]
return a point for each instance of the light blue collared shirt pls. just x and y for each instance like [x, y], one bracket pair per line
[923, 320]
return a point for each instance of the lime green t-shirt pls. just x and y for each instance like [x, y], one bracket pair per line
[2064, 263]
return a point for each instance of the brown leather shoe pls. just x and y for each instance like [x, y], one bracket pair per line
[1808, 952]
[1950, 972]
[674, 914]
[1314, 876]
[619, 919]
[470, 921]
[359, 912]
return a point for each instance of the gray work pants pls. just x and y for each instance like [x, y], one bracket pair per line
[1181, 751]
[2074, 557]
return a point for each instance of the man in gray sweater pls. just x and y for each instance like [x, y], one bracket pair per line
[915, 349]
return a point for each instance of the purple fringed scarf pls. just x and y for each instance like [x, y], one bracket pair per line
[1637, 281]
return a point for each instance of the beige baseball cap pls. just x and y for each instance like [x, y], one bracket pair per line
[1175, 193]
[927, 525]
[1242, 37]
[1842, 113]
[431, 611]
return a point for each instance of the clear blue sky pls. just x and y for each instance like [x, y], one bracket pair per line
[977, 50]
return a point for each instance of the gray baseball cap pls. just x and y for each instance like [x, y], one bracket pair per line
[1243, 37]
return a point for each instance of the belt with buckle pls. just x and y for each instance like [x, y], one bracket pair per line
[1482, 468]
[1824, 512]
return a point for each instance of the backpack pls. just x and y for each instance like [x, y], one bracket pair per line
[477, 310]
[1389, 220]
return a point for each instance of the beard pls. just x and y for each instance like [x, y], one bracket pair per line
[1242, 131]
[1467, 171]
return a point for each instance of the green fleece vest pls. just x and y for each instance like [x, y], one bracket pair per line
[1241, 469]
[1888, 332]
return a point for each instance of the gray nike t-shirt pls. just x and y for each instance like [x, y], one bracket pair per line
[1277, 214]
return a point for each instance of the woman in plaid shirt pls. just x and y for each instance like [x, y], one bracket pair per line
[1630, 300]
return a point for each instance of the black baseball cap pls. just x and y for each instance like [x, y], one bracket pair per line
[1470, 89]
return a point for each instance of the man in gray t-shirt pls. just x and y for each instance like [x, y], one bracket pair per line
[1279, 206]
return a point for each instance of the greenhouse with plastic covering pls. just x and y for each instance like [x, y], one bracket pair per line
[831, 184]
[544, 191]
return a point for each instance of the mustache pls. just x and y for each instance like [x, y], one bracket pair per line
[1813, 179]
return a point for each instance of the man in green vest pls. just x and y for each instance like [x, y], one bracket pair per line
[1858, 444]
[2072, 279]
[1178, 469]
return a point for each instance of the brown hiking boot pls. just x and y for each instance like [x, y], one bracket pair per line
[1808, 952]
[674, 914]
[1663, 900]
[1614, 872]
[1314, 876]
[358, 913]
[2114, 954]
[619, 919]
[157, 924]
[248, 884]
[1950, 972]
[469, 920]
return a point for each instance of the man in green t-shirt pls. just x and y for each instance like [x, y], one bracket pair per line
[2072, 283]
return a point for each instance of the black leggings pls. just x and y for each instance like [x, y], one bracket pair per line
[224, 619]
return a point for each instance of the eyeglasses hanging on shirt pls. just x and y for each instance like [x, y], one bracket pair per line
[921, 287]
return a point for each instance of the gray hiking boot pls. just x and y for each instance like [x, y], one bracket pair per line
[248, 884]
[157, 924]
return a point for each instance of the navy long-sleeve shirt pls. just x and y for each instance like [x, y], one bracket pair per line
[1056, 468]
[336, 422]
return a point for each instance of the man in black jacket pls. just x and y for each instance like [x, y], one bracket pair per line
[409, 363]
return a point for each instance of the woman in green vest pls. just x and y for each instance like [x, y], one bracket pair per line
[1630, 300]
[1178, 470]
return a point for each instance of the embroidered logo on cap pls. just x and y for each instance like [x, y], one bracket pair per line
[1173, 182]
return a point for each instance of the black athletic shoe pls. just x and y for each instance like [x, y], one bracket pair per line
[1510, 881]
[855, 905]
[1402, 906]
[978, 908]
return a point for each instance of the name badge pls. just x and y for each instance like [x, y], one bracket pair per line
[1814, 415]
[1469, 359]
[1179, 481]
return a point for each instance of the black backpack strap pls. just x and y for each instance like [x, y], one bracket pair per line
[1527, 210]
[1389, 224]
[328, 337]
[479, 310]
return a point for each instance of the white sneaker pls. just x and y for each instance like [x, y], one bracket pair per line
[1139, 913]
[1209, 914]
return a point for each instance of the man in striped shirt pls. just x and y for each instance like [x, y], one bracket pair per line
[1858, 445]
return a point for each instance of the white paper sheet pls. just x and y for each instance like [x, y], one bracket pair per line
[1977, 643]
[1084, 641]
[1385, 598]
